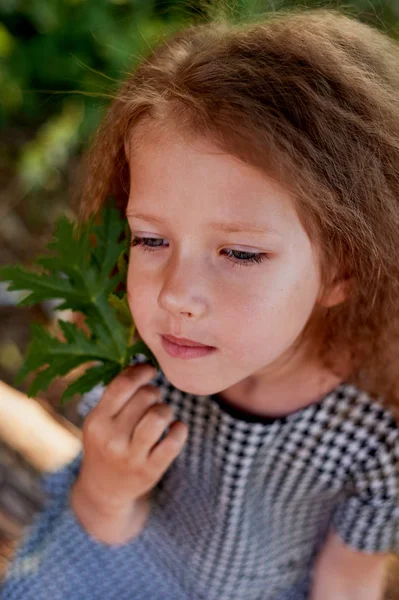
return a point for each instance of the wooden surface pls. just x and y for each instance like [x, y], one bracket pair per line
[31, 430]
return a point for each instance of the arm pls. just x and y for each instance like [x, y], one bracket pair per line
[89, 539]
[109, 528]
[58, 557]
[342, 573]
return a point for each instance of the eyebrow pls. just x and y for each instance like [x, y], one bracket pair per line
[237, 227]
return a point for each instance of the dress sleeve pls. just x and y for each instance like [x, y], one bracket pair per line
[58, 559]
[368, 519]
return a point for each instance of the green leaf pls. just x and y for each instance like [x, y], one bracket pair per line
[42, 287]
[84, 268]
[122, 264]
[141, 348]
[58, 357]
[102, 373]
[108, 248]
[122, 309]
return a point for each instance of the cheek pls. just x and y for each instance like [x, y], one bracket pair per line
[274, 310]
[138, 296]
[298, 299]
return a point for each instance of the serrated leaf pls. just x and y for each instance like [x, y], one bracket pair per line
[102, 317]
[83, 270]
[108, 248]
[123, 264]
[121, 306]
[75, 237]
[102, 373]
[57, 357]
[42, 286]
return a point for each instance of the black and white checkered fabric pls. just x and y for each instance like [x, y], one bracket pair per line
[240, 514]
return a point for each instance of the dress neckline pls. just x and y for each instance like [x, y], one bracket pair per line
[243, 415]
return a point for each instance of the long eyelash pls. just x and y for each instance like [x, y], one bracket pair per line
[137, 241]
[253, 257]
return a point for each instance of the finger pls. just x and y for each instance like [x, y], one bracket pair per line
[164, 453]
[122, 388]
[149, 430]
[135, 409]
[115, 431]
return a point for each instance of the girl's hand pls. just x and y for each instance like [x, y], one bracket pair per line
[122, 459]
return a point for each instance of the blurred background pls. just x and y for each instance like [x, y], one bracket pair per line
[59, 61]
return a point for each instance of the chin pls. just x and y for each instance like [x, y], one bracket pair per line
[189, 384]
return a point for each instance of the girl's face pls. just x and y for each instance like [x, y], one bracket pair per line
[194, 279]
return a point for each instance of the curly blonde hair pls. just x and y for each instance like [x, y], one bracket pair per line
[310, 97]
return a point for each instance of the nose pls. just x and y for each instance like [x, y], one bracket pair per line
[182, 291]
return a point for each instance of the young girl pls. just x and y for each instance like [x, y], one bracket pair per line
[258, 166]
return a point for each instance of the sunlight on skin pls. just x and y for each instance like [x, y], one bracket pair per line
[189, 287]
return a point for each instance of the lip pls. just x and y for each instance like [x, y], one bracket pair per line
[184, 342]
[185, 352]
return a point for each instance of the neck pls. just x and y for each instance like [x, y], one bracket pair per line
[282, 394]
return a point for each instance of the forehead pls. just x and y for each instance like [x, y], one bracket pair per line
[173, 174]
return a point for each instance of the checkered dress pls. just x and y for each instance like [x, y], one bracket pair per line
[240, 514]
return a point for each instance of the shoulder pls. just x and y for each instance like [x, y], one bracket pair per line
[372, 417]
[367, 518]
[349, 432]
[370, 427]
[350, 409]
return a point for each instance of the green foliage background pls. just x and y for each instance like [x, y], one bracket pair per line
[52, 50]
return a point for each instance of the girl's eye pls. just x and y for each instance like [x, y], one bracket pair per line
[240, 258]
[246, 257]
[137, 241]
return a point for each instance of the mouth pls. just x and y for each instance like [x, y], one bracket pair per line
[184, 342]
[183, 351]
